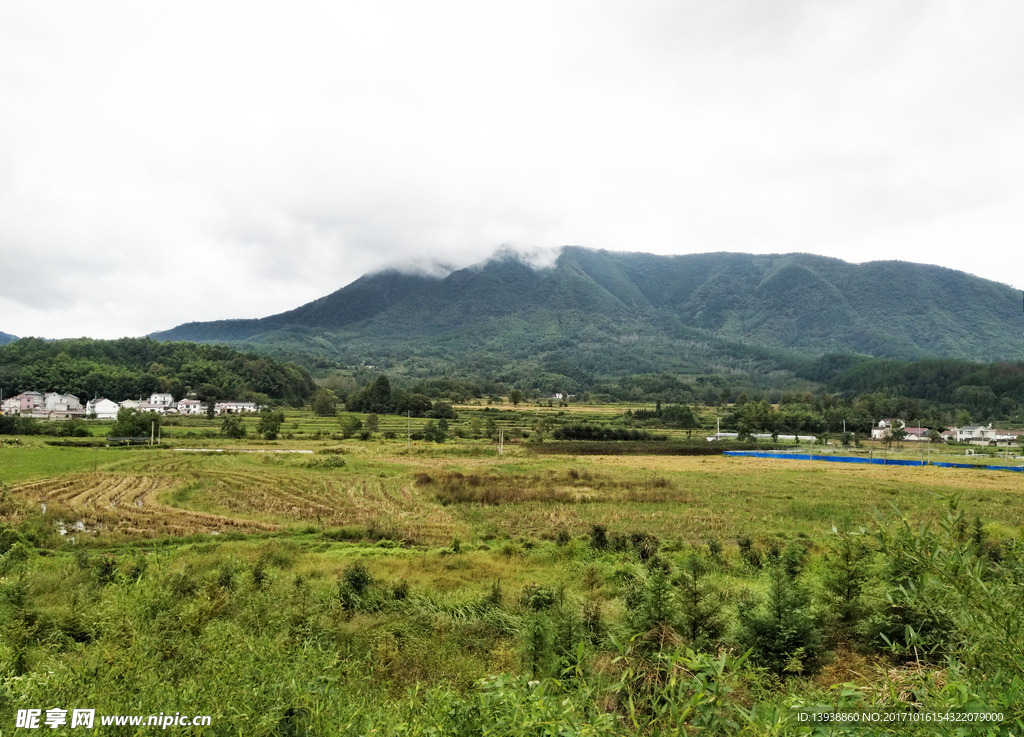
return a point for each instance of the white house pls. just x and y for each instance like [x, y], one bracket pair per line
[1007, 437]
[984, 435]
[56, 402]
[130, 404]
[231, 408]
[977, 434]
[191, 407]
[161, 400]
[102, 409]
[884, 428]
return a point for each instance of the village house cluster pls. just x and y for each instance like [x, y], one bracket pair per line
[56, 406]
[972, 434]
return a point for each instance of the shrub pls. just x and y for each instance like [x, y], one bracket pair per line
[232, 427]
[137, 568]
[357, 577]
[350, 426]
[225, 577]
[17, 555]
[916, 615]
[538, 598]
[9, 537]
[182, 584]
[645, 545]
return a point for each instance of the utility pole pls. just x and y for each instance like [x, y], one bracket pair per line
[408, 430]
[152, 431]
[501, 442]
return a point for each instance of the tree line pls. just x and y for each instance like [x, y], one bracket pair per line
[133, 367]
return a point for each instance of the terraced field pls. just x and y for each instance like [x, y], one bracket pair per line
[124, 504]
[158, 494]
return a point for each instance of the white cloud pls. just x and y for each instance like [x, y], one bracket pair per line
[203, 161]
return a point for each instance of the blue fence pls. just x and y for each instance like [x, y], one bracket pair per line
[861, 459]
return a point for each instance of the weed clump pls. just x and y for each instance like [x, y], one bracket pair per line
[400, 590]
[106, 570]
[750, 554]
[325, 462]
[715, 551]
[495, 596]
[512, 550]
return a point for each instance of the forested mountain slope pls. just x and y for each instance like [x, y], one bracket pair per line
[604, 312]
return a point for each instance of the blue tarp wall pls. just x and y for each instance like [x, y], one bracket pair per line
[861, 459]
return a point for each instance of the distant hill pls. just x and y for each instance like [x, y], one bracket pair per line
[6, 338]
[604, 313]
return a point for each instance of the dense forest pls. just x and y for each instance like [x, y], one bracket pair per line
[814, 395]
[831, 394]
[134, 367]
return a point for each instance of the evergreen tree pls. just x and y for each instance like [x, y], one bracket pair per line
[844, 580]
[782, 632]
[658, 616]
[701, 619]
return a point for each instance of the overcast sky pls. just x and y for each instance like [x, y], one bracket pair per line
[162, 163]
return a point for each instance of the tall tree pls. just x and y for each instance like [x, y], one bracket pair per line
[325, 403]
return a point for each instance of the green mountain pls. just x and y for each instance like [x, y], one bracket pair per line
[602, 313]
[6, 338]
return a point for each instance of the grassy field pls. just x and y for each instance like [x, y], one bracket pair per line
[431, 493]
[315, 585]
